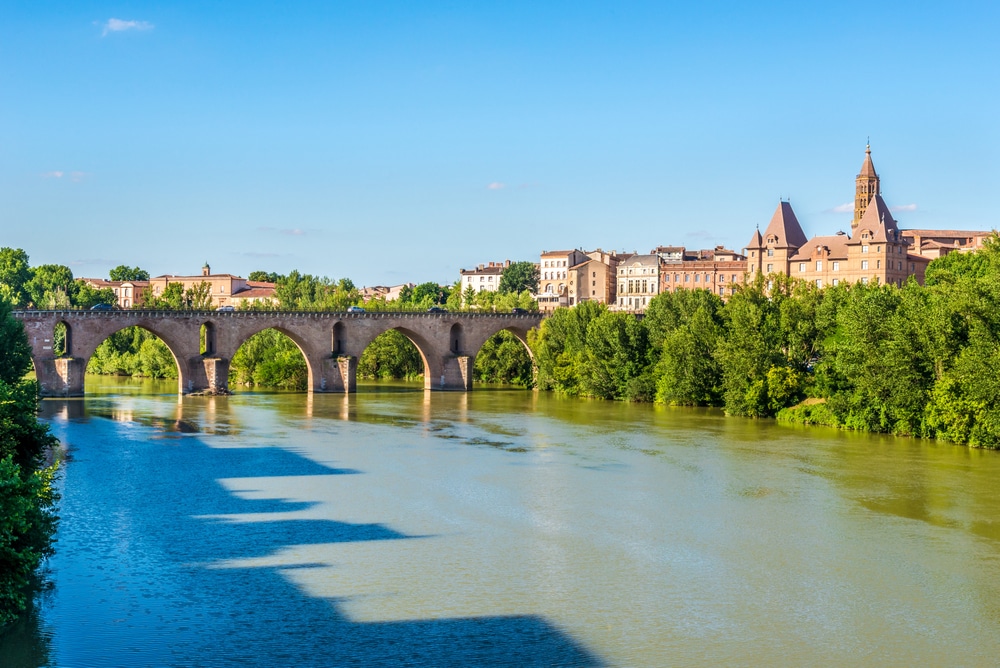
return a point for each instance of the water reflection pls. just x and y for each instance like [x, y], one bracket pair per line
[397, 526]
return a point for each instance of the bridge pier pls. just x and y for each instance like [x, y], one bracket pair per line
[61, 376]
[454, 372]
[335, 374]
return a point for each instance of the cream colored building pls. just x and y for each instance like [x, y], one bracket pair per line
[484, 277]
[128, 294]
[594, 278]
[225, 289]
[553, 278]
[638, 282]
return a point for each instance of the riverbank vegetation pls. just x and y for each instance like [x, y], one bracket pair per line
[911, 360]
[27, 497]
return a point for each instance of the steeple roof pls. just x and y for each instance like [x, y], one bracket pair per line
[867, 167]
[879, 220]
[785, 226]
[755, 241]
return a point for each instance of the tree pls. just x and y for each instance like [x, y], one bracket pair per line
[123, 272]
[50, 286]
[519, 276]
[264, 276]
[27, 499]
[199, 296]
[14, 276]
[84, 295]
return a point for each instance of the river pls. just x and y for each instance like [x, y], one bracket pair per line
[503, 527]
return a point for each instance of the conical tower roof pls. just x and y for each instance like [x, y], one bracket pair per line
[755, 241]
[785, 226]
[868, 167]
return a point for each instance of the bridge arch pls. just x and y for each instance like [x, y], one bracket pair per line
[311, 357]
[73, 366]
[423, 346]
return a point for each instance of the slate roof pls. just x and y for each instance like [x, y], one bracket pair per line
[836, 243]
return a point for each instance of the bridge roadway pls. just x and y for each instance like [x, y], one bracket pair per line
[330, 342]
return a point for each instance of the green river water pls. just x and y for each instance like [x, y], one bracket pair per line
[503, 527]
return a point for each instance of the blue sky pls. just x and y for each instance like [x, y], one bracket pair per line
[396, 141]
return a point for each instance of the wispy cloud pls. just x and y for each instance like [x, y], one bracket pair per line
[903, 207]
[287, 231]
[53, 175]
[496, 185]
[846, 207]
[75, 177]
[121, 25]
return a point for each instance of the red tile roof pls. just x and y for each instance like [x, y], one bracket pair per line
[785, 226]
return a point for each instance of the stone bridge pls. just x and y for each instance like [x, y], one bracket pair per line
[330, 342]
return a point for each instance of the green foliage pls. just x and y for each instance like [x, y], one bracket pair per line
[504, 359]
[123, 272]
[14, 276]
[27, 498]
[264, 276]
[15, 352]
[304, 292]
[133, 351]
[519, 277]
[269, 359]
[175, 298]
[391, 355]
[84, 295]
[688, 372]
[50, 286]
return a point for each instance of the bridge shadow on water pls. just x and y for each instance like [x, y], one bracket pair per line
[135, 508]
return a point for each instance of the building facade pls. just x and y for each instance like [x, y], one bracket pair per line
[876, 251]
[638, 282]
[484, 277]
[553, 277]
[225, 289]
[718, 270]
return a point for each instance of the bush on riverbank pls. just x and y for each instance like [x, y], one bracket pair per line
[27, 498]
[911, 360]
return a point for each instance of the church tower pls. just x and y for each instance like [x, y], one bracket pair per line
[866, 186]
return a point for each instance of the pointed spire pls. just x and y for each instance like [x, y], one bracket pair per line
[867, 167]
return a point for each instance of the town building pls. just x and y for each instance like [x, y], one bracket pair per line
[938, 243]
[876, 251]
[719, 270]
[638, 282]
[128, 294]
[593, 278]
[553, 278]
[484, 277]
[225, 289]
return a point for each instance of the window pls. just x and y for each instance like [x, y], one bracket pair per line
[836, 266]
[770, 252]
[878, 249]
[864, 249]
[836, 281]
[753, 253]
[802, 266]
[593, 274]
[819, 265]
[687, 278]
[696, 277]
[722, 292]
[593, 283]
[900, 265]
[819, 282]
[864, 280]
[770, 268]
[864, 264]
[734, 278]
[722, 278]
[878, 264]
